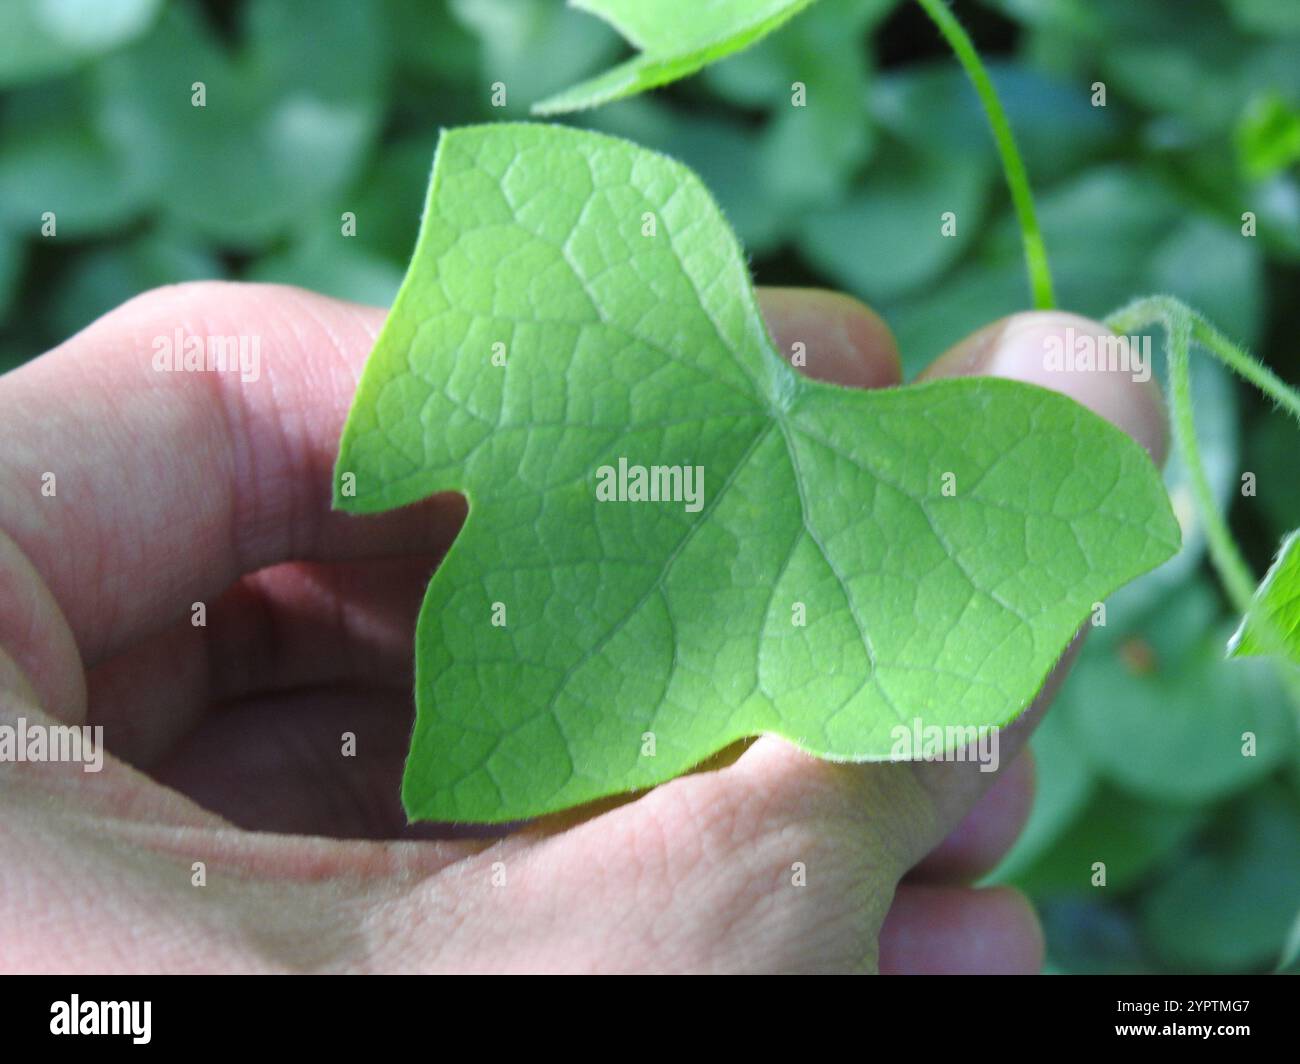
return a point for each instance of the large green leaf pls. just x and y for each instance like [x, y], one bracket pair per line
[623, 619]
[675, 38]
[1273, 624]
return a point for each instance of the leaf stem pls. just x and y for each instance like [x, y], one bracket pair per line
[1013, 165]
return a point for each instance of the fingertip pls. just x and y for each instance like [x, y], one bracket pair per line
[1074, 355]
[843, 340]
[961, 931]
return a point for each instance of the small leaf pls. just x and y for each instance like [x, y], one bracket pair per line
[675, 38]
[1273, 623]
[856, 561]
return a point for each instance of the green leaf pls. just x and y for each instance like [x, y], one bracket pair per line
[900, 216]
[1131, 837]
[57, 163]
[286, 123]
[724, 153]
[1268, 135]
[619, 621]
[515, 32]
[40, 38]
[1273, 624]
[675, 38]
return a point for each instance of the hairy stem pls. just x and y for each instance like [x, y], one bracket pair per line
[1183, 327]
[1013, 166]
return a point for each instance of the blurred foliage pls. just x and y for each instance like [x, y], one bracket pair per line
[319, 107]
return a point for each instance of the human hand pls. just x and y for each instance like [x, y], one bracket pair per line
[172, 489]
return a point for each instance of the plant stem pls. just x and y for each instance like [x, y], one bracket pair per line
[1013, 166]
[1143, 312]
[1234, 570]
[1183, 327]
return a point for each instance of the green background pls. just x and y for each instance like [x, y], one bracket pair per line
[316, 107]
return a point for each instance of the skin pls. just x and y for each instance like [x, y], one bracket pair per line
[176, 488]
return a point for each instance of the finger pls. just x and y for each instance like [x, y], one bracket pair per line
[960, 931]
[985, 835]
[326, 763]
[293, 625]
[169, 486]
[831, 336]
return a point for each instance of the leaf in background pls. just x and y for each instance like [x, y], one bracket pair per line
[1270, 17]
[101, 278]
[934, 318]
[1150, 244]
[1132, 837]
[514, 33]
[675, 38]
[1271, 456]
[40, 38]
[1268, 135]
[679, 619]
[333, 265]
[1276, 607]
[1230, 906]
[809, 154]
[933, 108]
[288, 121]
[1091, 935]
[386, 200]
[432, 40]
[11, 263]
[53, 159]
[1208, 265]
[1162, 714]
[1063, 785]
[889, 238]
[1218, 433]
